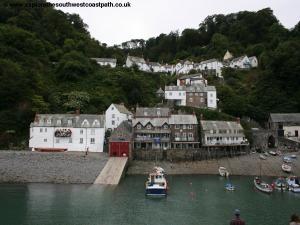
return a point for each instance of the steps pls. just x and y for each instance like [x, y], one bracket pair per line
[113, 171]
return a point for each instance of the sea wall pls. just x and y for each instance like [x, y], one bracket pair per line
[64, 167]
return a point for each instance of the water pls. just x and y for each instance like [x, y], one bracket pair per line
[192, 200]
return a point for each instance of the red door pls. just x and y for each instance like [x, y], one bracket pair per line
[119, 149]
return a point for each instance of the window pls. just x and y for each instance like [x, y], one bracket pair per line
[113, 122]
[49, 121]
[81, 140]
[190, 99]
[190, 135]
[211, 101]
[170, 93]
[92, 131]
[46, 130]
[92, 140]
[211, 95]
[196, 94]
[201, 94]
[70, 140]
[179, 93]
[57, 140]
[166, 126]
[69, 122]
[112, 108]
[58, 122]
[183, 94]
[184, 135]
[190, 127]
[41, 130]
[190, 94]
[45, 140]
[81, 131]
[177, 135]
[113, 116]
[139, 126]
[149, 126]
[177, 126]
[183, 126]
[201, 99]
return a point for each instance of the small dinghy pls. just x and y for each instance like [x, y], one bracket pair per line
[272, 153]
[263, 157]
[262, 186]
[280, 184]
[223, 172]
[286, 168]
[287, 159]
[229, 187]
[293, 184]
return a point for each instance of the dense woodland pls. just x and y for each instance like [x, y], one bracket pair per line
[45, 67]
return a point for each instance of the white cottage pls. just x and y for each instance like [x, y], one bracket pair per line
[241, 62]
[253, 61]
[115, 115]
[69, 132]
[106, 62]
[211, 64]
[184, 67]
[139, 62]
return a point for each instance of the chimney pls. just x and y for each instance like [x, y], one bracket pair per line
[201, 116]
[77, 112]
[238, 120]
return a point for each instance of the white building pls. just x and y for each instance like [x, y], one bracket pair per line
[228, 56]
[106, 62]
[115, 115]
[155, 67]
[191, 79]
[253, 61]
[211, 64]
[184, 67]
[176, 94]
[71, 132]
[211, 97]
[139, 62]
[242, 62]
[214, 133]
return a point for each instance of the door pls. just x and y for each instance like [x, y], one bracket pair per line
[296, 133]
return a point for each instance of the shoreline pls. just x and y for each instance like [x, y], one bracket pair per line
[19, 167]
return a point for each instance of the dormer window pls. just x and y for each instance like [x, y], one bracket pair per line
[165, 126]
[58, 122]
[145, 114]
[49, 121]
[149, 126]
[69, 122]
[96, 123]
[112, 108]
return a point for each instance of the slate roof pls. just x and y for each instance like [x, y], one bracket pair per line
[183, 119]
[154, 64]
[209, 61]
[122, 109]
[190, 76]
[252, 57]
[109, 60]
[123, 132]
[238, 58]
[160, 91]
[220, 125]
[175, 88]
[285, 117]
[51, 120]
[156, 122]
[152, 112]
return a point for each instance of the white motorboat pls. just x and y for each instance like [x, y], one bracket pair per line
[287, 159]
[286, 168]
[223, 171]
[293, 156]
[229, 187]
[156, 185]
[294, 184]
[262, 186]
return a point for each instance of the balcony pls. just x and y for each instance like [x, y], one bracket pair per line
[184, 139]
[151, 139]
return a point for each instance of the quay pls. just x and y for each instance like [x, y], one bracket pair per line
[113, 171]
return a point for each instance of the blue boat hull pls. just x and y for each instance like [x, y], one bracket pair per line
[156, 192]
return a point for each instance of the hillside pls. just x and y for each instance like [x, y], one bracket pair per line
[45, 66]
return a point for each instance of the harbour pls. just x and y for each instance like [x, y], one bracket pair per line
[192, 199]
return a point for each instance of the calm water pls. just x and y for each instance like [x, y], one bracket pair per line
[192, 200]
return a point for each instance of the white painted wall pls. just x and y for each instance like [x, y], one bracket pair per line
[112, 65]
[212, 99]
[113, 118]
[228, 140]
[290, 130]
[176, 95]
[43, 137]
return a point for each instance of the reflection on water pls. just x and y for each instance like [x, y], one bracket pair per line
[192, 200]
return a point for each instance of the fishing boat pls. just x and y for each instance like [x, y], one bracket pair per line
[223, 172]
[293, 184]
[272, 153]
[262, 186]
[156, 185]
[287, 159]
[281, 184]
[286, 168]
[229, 187]
[261, 156]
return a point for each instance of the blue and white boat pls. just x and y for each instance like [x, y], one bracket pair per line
[280, 184]
[156, 185]
[229, 187]
[294, 184]
[287, 159]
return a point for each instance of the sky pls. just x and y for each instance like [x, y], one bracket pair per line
[149, 18]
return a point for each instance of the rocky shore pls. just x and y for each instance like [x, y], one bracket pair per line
[36, 167]
[246, 165]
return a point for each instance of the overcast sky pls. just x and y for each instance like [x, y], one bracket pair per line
[149, 18]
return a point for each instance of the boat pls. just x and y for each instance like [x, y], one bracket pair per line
[261, 156]
[293, 184]
[272, 153]
[278, 152]
[287, 159]
[286, 168]
[229, 187]
[262, 186]
[266, 154]
[293, 156]
[280, 184]
[156, 185]
[223, 172]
